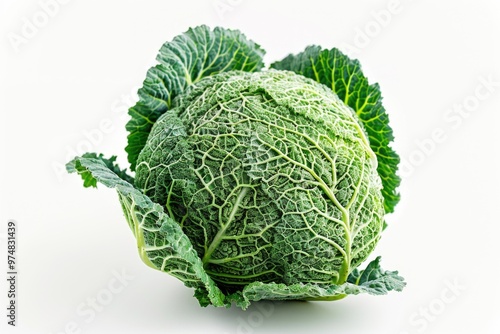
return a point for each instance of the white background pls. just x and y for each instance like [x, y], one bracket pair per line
[73, 77]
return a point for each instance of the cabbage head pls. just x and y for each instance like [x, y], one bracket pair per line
[256, 184]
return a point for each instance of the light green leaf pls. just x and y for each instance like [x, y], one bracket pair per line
[373, 280]
[344, 76]
[160, 241]
[198, 53]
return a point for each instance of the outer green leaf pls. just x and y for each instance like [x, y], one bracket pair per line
[161, 243]
[373, 280]
[344, 76]
[376, 281]
[88, 178]
[197, 53]
[161, 85]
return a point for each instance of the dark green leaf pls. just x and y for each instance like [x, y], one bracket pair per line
[88, 178]
[344, 76]
[189, 57]
[375, 280]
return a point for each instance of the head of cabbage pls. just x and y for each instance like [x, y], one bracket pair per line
[254, 184]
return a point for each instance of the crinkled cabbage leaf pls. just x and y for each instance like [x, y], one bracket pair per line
[253, 184]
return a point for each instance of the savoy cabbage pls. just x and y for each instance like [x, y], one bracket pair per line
[256, 184]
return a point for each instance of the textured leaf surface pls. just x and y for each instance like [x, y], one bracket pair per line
[256, 185]
[344, 76]
[271, 177]
[198, 53]
[88, 178]
[162, 245]
[373, 280]
[376, 281]
[160, 241]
